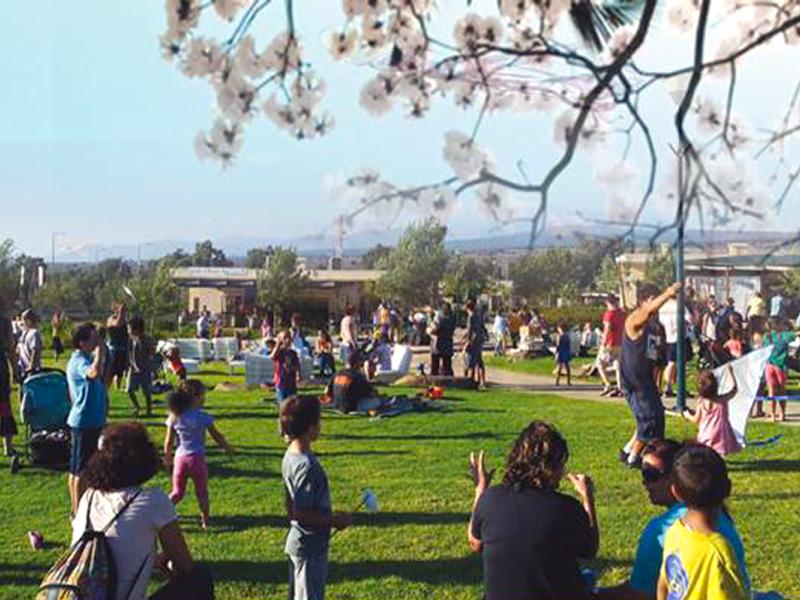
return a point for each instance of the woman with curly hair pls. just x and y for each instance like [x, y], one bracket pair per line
[137, 517]
[530, 535]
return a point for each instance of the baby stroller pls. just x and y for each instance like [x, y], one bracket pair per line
[44, 408]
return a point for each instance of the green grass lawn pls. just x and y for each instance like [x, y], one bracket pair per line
[416, 464]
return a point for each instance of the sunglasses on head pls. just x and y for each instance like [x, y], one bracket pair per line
[651, 474]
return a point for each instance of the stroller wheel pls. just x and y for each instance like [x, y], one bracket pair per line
[15, 464]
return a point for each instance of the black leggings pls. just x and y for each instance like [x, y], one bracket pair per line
[442, 364]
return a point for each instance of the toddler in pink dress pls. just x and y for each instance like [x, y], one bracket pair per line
[715, 430]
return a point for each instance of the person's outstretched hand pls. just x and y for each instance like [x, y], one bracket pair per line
[675, 289]
[583, 484]
[481, 477]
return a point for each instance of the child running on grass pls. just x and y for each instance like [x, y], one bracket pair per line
[563, 353]
[699, 562]
[712, 414]
[190, 423]
[308, 500]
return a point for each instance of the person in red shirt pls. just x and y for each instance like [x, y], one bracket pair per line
[613, 329]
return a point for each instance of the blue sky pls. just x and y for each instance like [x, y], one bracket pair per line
[97, 129]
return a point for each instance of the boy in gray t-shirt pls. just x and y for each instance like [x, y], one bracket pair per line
[308, 500]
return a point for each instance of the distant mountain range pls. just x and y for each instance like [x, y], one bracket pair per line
[236, 247]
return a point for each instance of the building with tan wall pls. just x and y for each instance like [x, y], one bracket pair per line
[228, 290]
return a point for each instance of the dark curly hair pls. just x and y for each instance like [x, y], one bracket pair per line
[126, 458]
[537, 459]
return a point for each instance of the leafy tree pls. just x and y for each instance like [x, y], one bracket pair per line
[257, 257]
[372, 258]
[9, 277]
[207, 255]
[415, 268]
[178, 258]
[281, 282]
[660, 268]
[156, 294]
[541, 276]
[607, 279]
[467, 278]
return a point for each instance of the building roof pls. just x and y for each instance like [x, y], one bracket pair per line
[748, 262]
[242, 277]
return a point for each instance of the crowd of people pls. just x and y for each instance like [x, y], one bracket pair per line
[532, 537]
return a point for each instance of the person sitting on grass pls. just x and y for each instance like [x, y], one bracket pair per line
[140, 369]
[530, 535]
[699, 563]
[138, 518]
[563, 353]
[349, 389]
[657, 462]
[716, 430]
[189, 423]
[287, 367]
[308, 500]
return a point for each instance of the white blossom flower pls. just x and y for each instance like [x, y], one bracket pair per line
[467, 32]
[463, 155]
[203, 57]
[182, 16]
[710, 117]
[354, 8]
[283, 53]
[495, 202]
[439, 202]
[170, 46]
[563, 127]
[373, 33]
[375, 96]
[227, 9]
[342, 43]
[619, 41]
[236, 98]
[514, 9]
[682, 14]
[248, 60]
[222, 142]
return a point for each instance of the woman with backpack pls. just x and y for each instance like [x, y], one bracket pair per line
[132, 518]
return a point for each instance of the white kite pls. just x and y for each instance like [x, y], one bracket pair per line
[748, 371]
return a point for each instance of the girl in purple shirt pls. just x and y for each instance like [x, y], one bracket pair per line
[189, 423]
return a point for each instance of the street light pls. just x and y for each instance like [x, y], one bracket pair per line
[53, 237]
[139, 247]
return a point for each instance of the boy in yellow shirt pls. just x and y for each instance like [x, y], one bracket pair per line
[699, 562]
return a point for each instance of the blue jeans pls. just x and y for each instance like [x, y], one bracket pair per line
[282, 394]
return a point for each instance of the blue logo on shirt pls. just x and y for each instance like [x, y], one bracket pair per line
[677, 579]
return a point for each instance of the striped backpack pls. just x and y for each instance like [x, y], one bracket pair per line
[87, 570]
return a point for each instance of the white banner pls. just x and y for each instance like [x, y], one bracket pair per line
[748, 371]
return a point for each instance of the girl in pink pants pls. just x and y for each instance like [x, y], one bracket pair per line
[189, 423]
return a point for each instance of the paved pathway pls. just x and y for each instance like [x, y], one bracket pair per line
[503, 379]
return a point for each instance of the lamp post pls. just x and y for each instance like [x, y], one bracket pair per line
[53, 237]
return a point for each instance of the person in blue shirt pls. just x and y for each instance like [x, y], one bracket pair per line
[656, 476]
[89, 399]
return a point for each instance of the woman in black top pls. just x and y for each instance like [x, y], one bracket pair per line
[531, 536]
[444, 325]
[117, 327]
